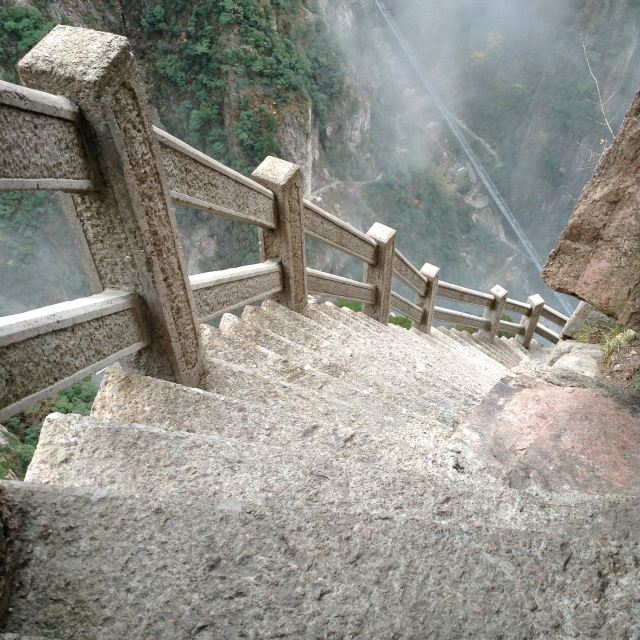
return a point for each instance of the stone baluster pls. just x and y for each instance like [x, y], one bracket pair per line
[530, 322]
[286, 242]
[381, 273]
[428, 301]
[494, 313]
[128, 222]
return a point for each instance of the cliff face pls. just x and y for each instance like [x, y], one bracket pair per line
[323, 85]
[598, 256]
[559, 144]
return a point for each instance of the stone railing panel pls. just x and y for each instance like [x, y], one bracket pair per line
[218, 292]
[328, 284]
[458, 317]
[406, 308]
[195, 180]
[41, 142]
[44, 350]
[549, 335]
[554, 316]
[462, 294]
[338, 234]
[407, 273]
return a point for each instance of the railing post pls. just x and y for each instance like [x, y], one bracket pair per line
[428, 301]
[128, 223]
[494, 313]
[286, 242]
[381, 273]
[530, 322]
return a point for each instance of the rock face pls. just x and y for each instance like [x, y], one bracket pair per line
[597, 257]
[585, 318]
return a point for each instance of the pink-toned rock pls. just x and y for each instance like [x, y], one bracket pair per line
[597, 258]
[558, 438]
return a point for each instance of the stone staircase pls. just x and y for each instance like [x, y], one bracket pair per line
[313, 489]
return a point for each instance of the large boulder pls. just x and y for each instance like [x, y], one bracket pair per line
[597, 258]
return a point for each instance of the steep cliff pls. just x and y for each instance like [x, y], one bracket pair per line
[322, 84]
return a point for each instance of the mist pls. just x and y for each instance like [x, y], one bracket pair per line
[514, 76]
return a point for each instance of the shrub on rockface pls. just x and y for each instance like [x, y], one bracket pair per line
[18, 442]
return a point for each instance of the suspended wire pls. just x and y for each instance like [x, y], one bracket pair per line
[483, 176]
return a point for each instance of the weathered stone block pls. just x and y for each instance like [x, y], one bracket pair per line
[586, 317]
[286, 242]
[381, 273]
[597, 257]
[129, 224]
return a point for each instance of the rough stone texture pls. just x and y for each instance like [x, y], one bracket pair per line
[337, 233]
[286, 242]
[586, 317]
[494, 313]
[40, 361]
[578, 357]
[105, 565]
[310, 497]
[428, 300]
[337, 287]
[381, 273]
[197, 179]
[531, 432]
[219, 298]
[597, 257]
[37, 146]
[129, 222]
[82, 451]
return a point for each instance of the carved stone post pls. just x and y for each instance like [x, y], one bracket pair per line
[530, 322]
[428, 301]
[286, 242]
[128, 223]
[494, 313]
[381, 273]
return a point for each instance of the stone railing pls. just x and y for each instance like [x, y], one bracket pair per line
[82, 128]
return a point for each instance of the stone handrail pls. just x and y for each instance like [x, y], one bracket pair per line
[336, 233]
[123, 176]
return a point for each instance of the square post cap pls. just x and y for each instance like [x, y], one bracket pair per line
[275, 173]
[381, 233]
[430, 271]
[73, 60]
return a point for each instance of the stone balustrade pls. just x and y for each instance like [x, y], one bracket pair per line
[81, 128]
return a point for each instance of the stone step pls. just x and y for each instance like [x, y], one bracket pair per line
[84, 451]
[489, 349]
[130, 398]
[356, 379]
[107, 564]
[463, 365]
[498, 349]
[367, 363]
[481, 345]
[516, 347]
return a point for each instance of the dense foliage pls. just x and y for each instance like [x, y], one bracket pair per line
[21, 26]
[18, 443]
[225, 74]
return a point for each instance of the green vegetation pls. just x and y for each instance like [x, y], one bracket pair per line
[401, 321]
[18, 443]
[21, 26]
[224, 74]
[617, 339]
[420, 201]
